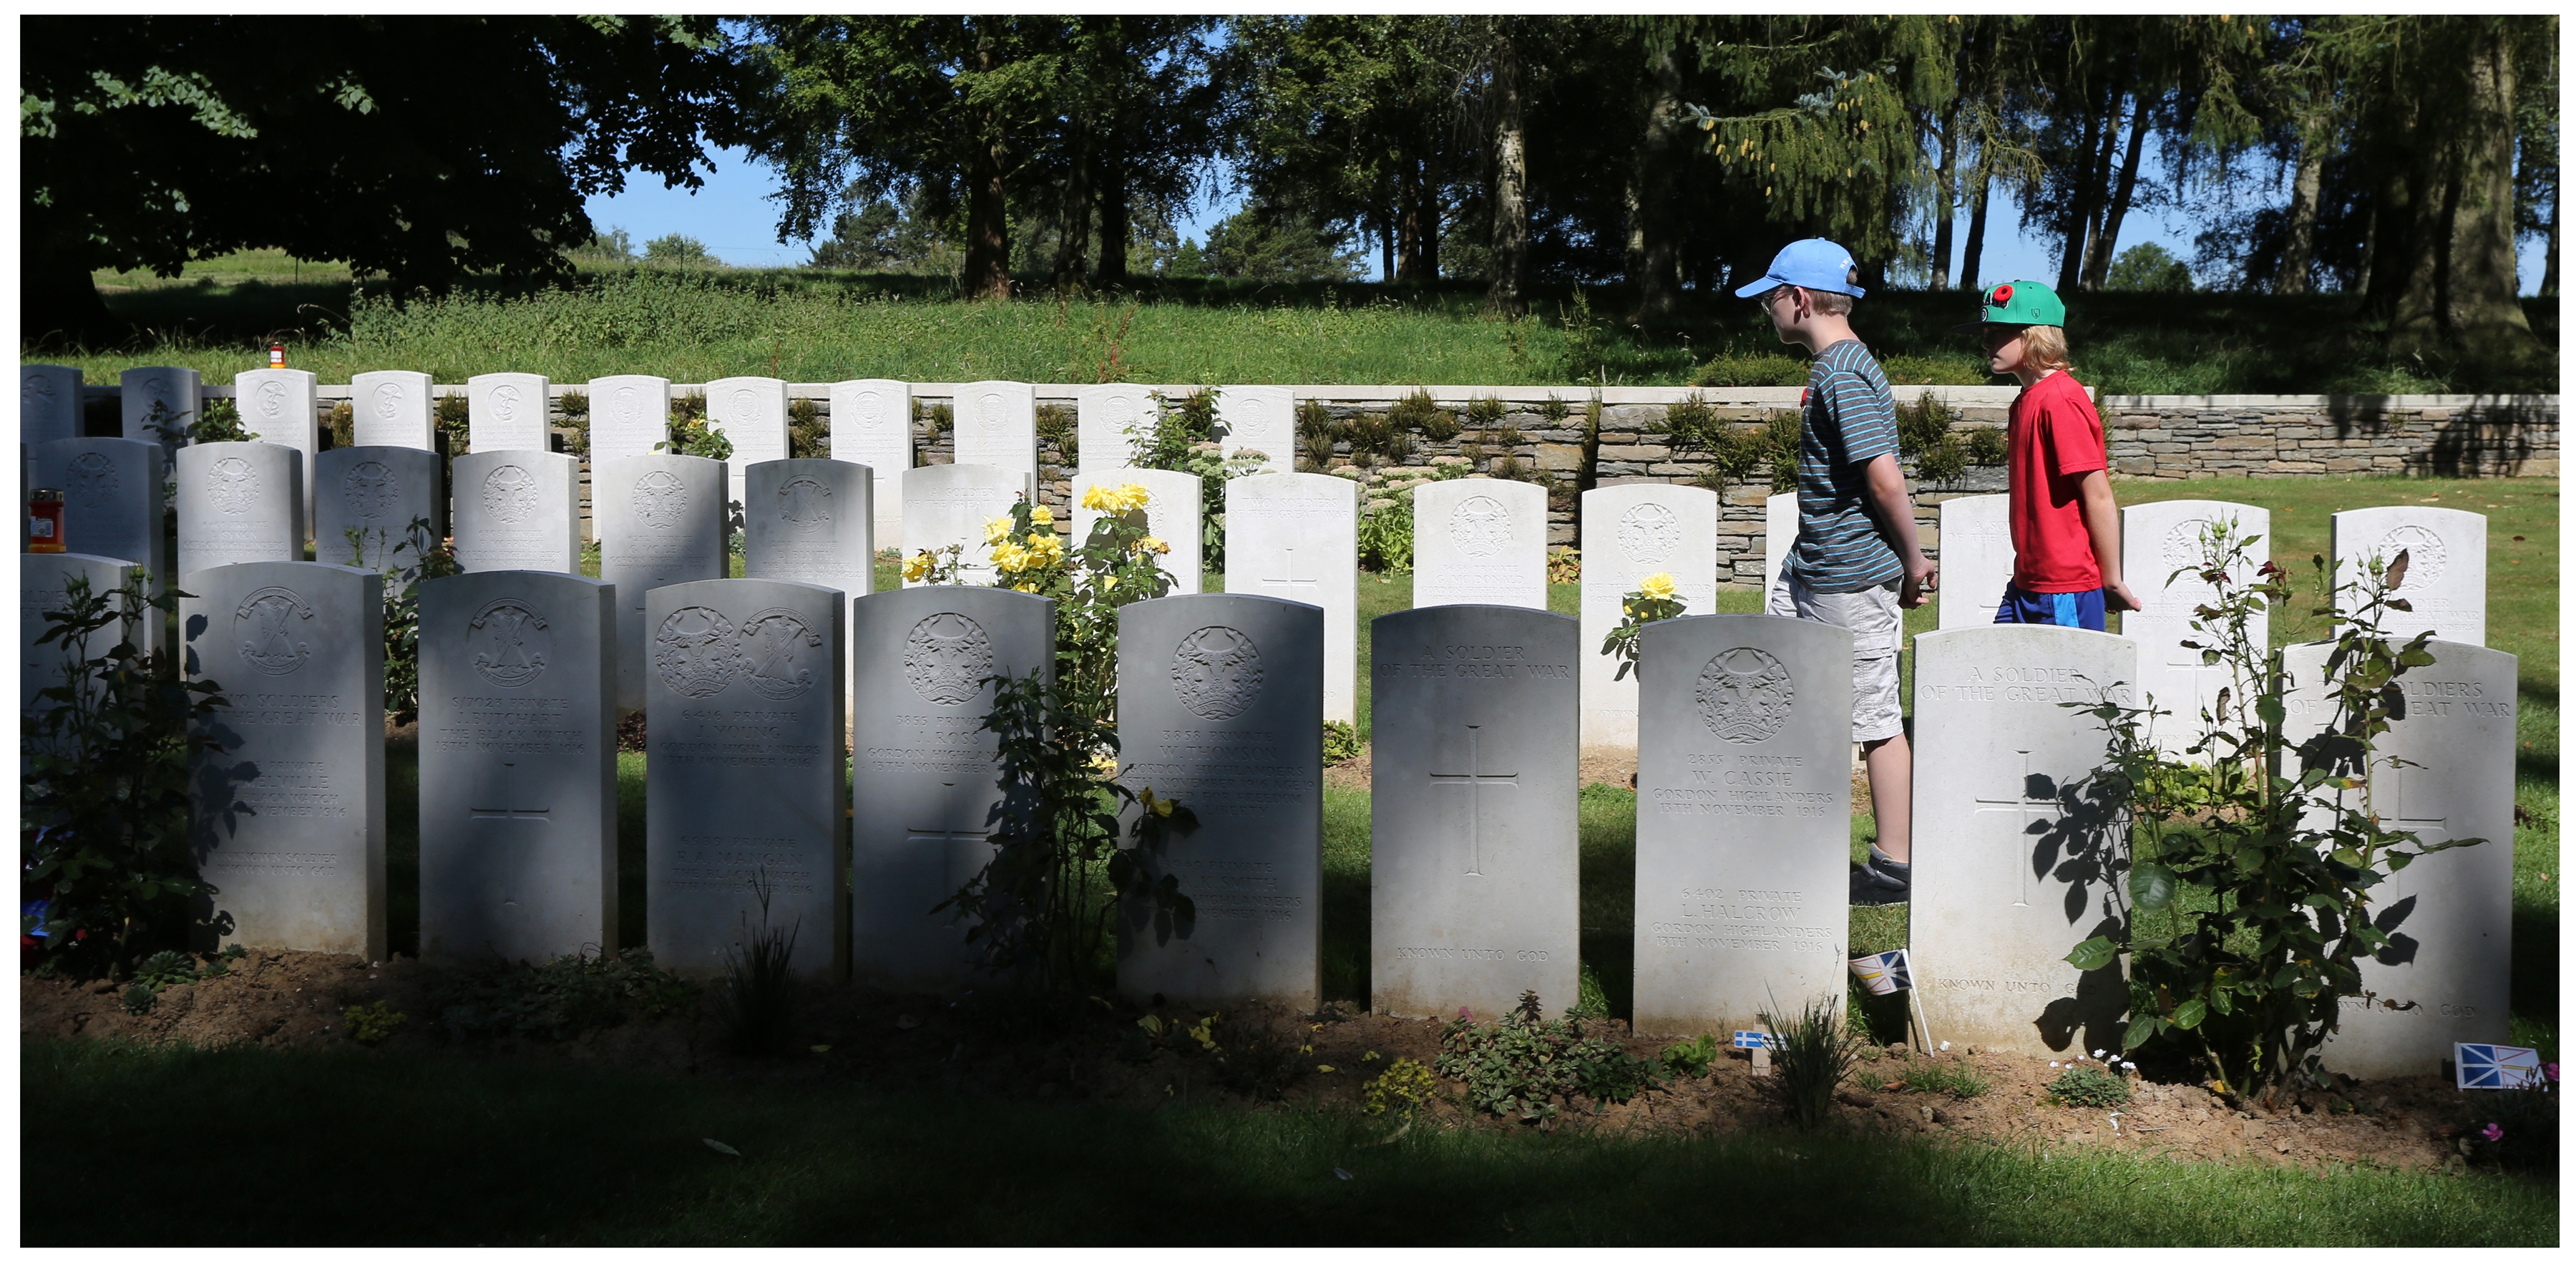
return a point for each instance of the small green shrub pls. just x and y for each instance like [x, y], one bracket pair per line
[1417, 411]
[1251, 1059]
[454, 416]
[559, 999]
[1520, 1067]
[1341, 741]
[2088, 1086]
[1554, 410]
[1955, 1080]
[1591, 1001]
[936, 420]
[760, 986]
[139, 998]
[167, 968]
[1403, 1087]
[1760, 369]
[2513, 1129]
[373, 1023]
[1811, 1055]
[342, 425]
[1695, 1057]
[1055, 423]
[1985, 445]
[1485, 410]
[807, 434]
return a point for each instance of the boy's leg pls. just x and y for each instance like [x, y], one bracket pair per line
[1877, 627]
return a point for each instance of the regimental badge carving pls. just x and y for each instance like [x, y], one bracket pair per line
[36, 391]
[870, 407]
[505, 403]
[389, 399]
[511, 643]
[989, 411]
[2426, 557]
[781, 651]
[697, 651]
[370, 489]
[806, 504]
[510, 494]
[660, 500]
[272, 625]
[1649, 532]
[272, 400]
[161, 390]
[1480, 527]
[746, 405]
[93, 480]
[2182, 549]
[232, 485]
[946, 657]
[1745, 694]
[1217, 672]
[627, 405]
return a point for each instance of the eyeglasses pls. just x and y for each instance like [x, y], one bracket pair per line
[1776, 293]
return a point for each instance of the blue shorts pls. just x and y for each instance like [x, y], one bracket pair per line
[2081, 610]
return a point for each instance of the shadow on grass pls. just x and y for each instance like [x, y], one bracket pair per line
[386, 1149]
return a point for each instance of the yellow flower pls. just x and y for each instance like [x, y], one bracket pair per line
[1010, 557]
[1135, 496]
[1025, 587]
[1108, 583]
[1041, 516]
[1104, 766]
[1658, 586]
[1098, 497]
[996, 529]
[1118, 500]
[1047, 549]
[917, 568]
[1153, 545]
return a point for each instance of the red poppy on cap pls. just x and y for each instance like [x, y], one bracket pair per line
[2003, 294]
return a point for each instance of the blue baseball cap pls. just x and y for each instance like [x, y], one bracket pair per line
[1813, 263]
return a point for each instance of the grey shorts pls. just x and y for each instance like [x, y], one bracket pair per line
[1877, 628]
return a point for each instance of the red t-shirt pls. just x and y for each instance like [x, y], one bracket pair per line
[2054, 441]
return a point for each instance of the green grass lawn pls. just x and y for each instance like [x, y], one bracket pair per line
[398, 1149]
[695, 325]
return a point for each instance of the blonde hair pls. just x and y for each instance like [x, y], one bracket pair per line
[2047, 347]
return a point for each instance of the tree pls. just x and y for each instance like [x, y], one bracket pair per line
[150, 141]
[2147, 266]
[1261, 243]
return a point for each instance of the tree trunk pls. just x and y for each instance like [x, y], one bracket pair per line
[1408, 221]
[1386, 248]
[2298, 249]
[1511, 179]
[1659, 273]
[988, 222]
[2098, 268]
[1111, 177]
[2484, 314]
[2079, 210]
[1945, 197]
[1073, 241]
[1426, 217]
[1975, 256]
[2549, 268]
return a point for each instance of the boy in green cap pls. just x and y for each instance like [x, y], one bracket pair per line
[2065, 522]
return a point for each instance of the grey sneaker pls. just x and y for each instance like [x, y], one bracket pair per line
[1872, 887]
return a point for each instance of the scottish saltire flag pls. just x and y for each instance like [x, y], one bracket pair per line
[1884, 974]
[2484, 1066]
[1747, 1039]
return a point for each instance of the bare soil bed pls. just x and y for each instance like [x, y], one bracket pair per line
[1083, 1051]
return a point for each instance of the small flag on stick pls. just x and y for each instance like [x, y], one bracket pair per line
[2483, 1066]
[1884, 974]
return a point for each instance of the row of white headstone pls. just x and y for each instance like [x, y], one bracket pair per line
[1743, 808]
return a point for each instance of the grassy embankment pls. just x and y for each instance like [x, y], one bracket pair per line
[693, 325]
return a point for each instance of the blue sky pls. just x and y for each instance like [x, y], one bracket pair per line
[735, 216]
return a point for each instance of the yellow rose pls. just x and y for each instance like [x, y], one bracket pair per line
[1153, 545]
[1658, 586]
[917, 568]
[1010, 557]
[1099, 498]
[1134, 495]
[1108, 583]
[996, 529]
[1041, 516]
[1104, 766]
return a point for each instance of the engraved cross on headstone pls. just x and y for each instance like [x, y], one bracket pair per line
[1291, 581]
[2023, 807]
[509, 810]
[1475, 780]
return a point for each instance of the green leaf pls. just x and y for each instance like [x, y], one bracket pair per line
[2189, 1013]
[2269, 708]
[2095, 954]
[2152, 886]
[2141, 1028]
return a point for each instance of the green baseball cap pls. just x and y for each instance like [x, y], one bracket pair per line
[2019, 303]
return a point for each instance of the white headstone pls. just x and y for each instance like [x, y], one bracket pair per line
[518, 766]
[2447, 976]
[1472, 877]
[808, 519]
[2011, 840]
[288, 818]
[1110, 420]
[997, 425]
[1630, 532]
[629, 414]
[239, 502]
[662, 522]
[376, 492]
[1220, 701]
[2446, 566]
[518, 510]
[923, 769]
[1297, 537]
[949, 505]
[1263, 419]
[1173, 502]
[507, 412]
[177, 389]
[111, 496]
[1976, 559]
[2157, 540]
[1779, 532]
[49, 403]
[872, 427]
[277, 407]
[751, 412]
[1480, 542]
[392, 408]
[743, 785]
[1743, 821]
[42, 582]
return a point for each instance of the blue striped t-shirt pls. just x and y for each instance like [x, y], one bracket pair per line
[1850, 418]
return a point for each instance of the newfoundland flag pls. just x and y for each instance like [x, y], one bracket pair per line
[2487, 1067]
[1884, 974]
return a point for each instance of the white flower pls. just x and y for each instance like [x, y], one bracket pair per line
[2097, 1054]
[2052, 1063]
[1945, 1046]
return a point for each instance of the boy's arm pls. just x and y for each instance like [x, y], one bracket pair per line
[2102, 523]
[1895, 514]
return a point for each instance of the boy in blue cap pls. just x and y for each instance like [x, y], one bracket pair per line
[1856, 561]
